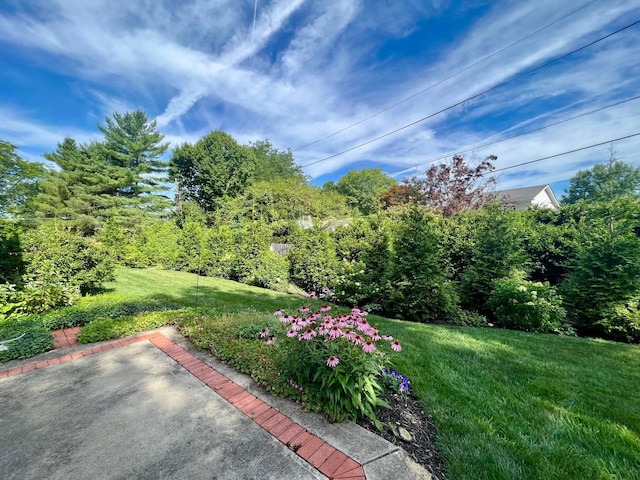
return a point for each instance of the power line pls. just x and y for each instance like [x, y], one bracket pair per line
[420, 92]
[537, 129]
[516, 77]
[566, 153]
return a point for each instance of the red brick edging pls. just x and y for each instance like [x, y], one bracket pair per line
[327, 459]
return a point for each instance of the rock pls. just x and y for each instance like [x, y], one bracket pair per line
[404, 434]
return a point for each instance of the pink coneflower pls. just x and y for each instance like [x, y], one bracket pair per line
[396, 346]
[271, 341]
[325, 308]
[286, 318]
[310, 294]
[348, 334]
[335, 332]
[358, 339]
[374, 334]
[264, 333]
[304, 309]
[389, 338]
[278, 313]
[368, 346]
[356, 311]
[291, 333]
[308, 334]
[332, 361]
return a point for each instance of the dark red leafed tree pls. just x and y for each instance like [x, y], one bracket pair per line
[448, 188]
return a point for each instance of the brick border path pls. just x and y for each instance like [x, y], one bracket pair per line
[325, 458]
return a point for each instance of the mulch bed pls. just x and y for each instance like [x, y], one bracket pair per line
[408, 413]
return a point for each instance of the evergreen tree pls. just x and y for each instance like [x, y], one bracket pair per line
[132, 142]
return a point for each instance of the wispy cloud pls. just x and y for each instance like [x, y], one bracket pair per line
[317, 67]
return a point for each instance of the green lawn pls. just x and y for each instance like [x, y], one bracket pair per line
[508, 405]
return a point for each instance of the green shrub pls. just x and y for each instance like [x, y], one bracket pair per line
[312, 260]
[56, 256]
[36, 339]
[606, 272]
[497, 240]
[418, 285]
[354, 285]
[11, 261]
[108, 328]
[622, 322]
[524, 305]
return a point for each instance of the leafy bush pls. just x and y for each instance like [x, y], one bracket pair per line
[498, 250]
[622, 322]
[36, 339]
[467, 318]
[11, 262]
[333, 359]
[418, 285]
[524, 305]
[312, 260]
[56, 256]
[606, 273]
[108, 328]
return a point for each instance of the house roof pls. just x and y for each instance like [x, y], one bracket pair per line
[525, 195]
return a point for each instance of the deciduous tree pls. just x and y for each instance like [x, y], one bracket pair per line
[18, 180]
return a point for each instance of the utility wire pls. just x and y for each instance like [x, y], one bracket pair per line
[420, 92]
[537, 129]
[501, 84]
[566, 153]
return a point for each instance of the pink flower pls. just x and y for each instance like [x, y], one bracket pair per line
[264, 333]
[278, 313]
[310, 294]
[335, 332]
[387, 337]
[396, 346]
[355, 311]
[308, 334]
[271, 341]
[368, 346]
[291, 333]
[304, 309]
[325, 308]
[358, 339]
[348, 334]
[333, 361]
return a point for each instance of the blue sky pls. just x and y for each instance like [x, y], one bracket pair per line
[307, 69]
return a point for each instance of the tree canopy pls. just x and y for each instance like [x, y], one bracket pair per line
[120, 177]
[215, 168]
[362, 188]
[604, 182]
[448, 188]
[18, 180]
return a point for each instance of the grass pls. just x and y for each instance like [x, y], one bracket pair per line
[507, 404]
